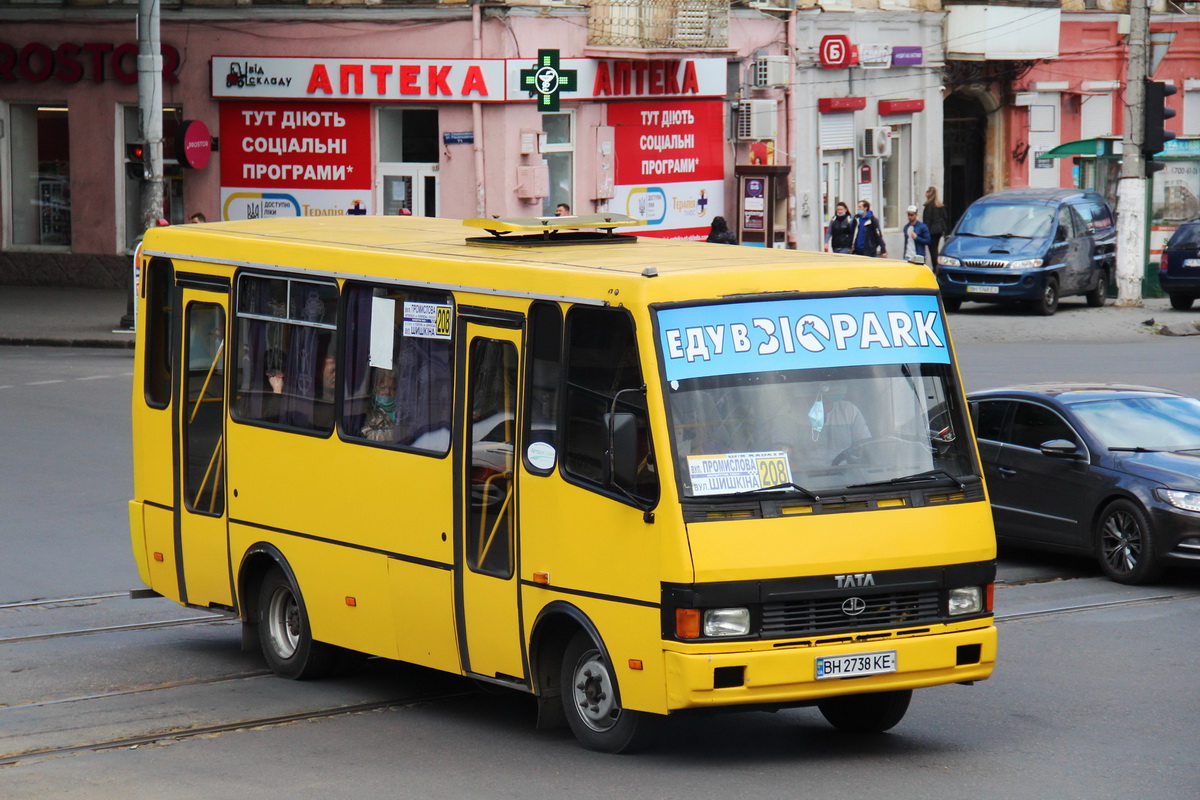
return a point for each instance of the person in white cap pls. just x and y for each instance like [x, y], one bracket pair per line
[916, 238]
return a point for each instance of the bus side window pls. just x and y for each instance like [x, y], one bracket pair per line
[398, 378]
[602, 362]
[543, 368]
[287, 362]
[159, 285]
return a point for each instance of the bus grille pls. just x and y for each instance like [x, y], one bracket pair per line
[826, 615]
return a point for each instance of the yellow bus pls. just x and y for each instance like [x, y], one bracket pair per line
[629, 476]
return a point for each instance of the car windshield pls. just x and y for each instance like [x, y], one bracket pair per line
[1152, 422]
[817, 415]
[992, 219]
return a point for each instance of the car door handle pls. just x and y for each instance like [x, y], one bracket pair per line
[1006, 471]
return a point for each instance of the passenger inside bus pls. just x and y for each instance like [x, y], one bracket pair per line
[380, 422]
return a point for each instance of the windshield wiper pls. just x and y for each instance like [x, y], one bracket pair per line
[1012, 236]
[1134, 449]
[788, 485]
[919, 477]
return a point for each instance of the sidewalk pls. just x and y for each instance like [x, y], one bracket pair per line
[39, 316]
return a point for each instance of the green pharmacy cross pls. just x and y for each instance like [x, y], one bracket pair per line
[546, 80]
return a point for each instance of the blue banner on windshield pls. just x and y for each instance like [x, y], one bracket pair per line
[776, 335]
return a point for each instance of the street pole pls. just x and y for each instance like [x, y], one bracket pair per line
[1131, 199]
[149, 69]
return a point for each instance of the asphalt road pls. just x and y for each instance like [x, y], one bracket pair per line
[1093, 696]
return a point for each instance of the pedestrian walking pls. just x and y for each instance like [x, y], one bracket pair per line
[937, 219]
[839, 235]
[868, 238]
[720, 233]
[916, 238]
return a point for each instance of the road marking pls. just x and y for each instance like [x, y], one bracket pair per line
[94, 378]
[44, 383]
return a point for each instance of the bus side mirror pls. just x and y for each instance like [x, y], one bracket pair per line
[622, 448]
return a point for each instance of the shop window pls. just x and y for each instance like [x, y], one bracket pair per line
[40, 146]
[287, 364]
[398, 381]
[173, 210]
[558, 148]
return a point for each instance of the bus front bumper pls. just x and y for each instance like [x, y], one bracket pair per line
[786, 675]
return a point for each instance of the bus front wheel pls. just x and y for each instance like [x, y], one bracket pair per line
[866, 713]
[590, 700]
[285, 634]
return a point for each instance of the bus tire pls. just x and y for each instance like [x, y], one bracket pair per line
[590, 700]
[285, 634]
[866, 713]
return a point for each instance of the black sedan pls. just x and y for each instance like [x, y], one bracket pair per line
[1109, 470]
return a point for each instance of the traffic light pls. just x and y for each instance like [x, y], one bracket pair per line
[135, 161]
[1157, 112]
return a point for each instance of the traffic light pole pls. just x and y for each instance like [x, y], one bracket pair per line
[1131, 198]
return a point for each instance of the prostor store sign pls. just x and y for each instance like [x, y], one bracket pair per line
[69, 62]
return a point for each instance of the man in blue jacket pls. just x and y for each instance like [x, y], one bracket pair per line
[868, 238]
[916, 238]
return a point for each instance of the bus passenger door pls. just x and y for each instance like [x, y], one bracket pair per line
[201, 537]
[489, 627]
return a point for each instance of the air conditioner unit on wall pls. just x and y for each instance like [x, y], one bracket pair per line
[877, 142]
[770, 71]
[756, 120]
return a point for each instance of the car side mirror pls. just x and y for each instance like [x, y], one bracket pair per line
[622, 448]
[1060, 448]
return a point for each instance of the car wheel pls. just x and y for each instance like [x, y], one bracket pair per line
[866, 713]
[591, 701]
[285, 634]
[1097, 296]
[952, 303]
[1047, 304]
[1125, 544]
[1181, 302]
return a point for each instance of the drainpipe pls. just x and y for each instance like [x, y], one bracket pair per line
[789, 125]
[477, 113]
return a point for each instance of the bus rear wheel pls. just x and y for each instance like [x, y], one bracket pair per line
[591, 702]
[866, 713]
[285, 634]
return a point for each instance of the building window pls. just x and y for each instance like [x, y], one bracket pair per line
[173, 210]
[897, 177]
[558, 148]
[408, 135]
[40, 146]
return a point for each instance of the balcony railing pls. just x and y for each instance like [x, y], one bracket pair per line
[653, 24]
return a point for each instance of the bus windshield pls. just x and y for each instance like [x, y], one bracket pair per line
[812, 396]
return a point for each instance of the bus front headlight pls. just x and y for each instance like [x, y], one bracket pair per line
[727, 622]
[966, 600]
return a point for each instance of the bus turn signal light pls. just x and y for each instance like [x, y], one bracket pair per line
[352, 601]
[542, 577]
[158, 557]
[687, 623]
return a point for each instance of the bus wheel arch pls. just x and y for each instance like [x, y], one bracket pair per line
[273, 611]
[553, 629]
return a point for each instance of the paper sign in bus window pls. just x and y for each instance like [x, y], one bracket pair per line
[383, 332]
[428, 320]
[729, 473]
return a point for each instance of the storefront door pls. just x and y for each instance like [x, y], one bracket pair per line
[410, 187]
